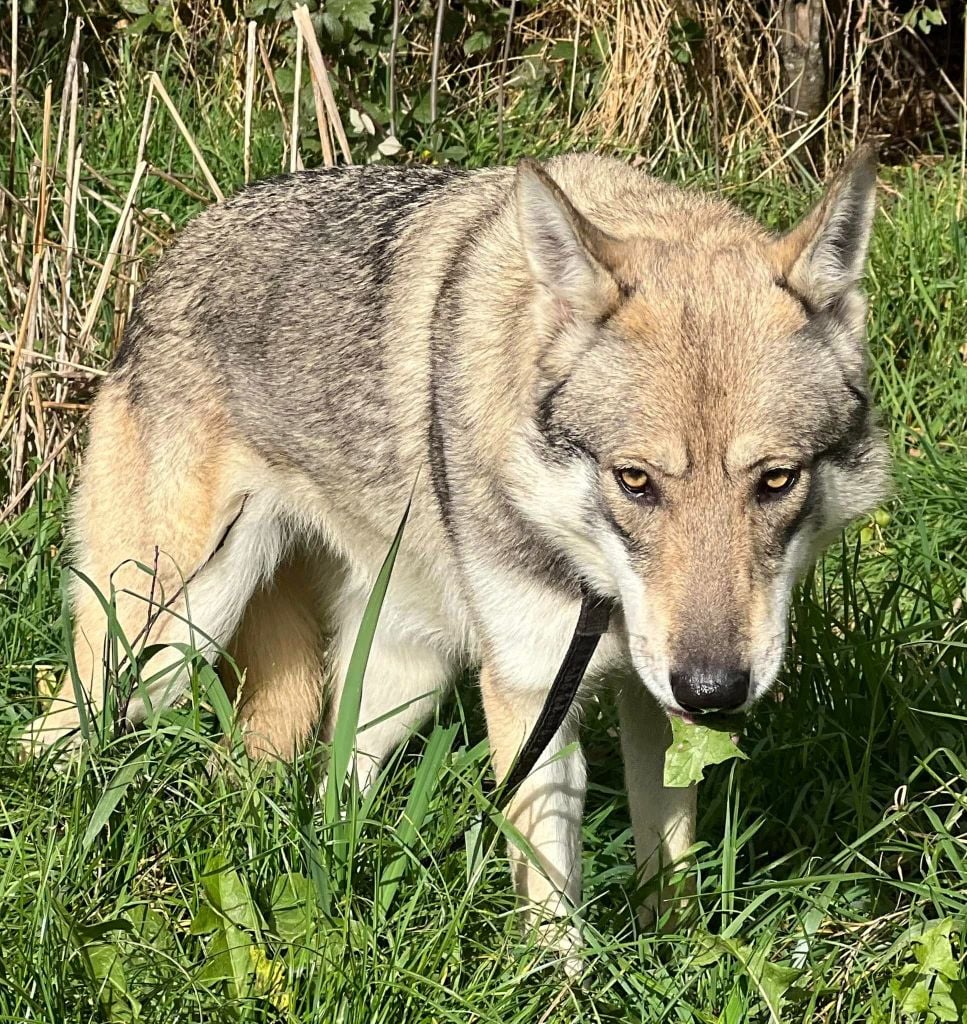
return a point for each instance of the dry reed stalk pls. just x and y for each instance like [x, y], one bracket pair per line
[317, 69]
[963, 131]
[187, 136]
[14, 47]
[49, 459]
[41, 217]
[273, 85]
[435, 57]
[249, 91]
[112, 253]
[25, 321]
[391, 67]
[307, 34]
[70, 224]
[49, 358]
[504, 57]
[294, 161]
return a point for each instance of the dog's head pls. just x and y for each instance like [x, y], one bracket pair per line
[704, 417]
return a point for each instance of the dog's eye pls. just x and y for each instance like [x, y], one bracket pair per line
[633, 481]
[776, 483]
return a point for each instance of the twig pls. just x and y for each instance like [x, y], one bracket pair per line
[21, 334]
[317, 67]
[192, 145]
[435, 59]
[46, 357]
[14, 44]
[391, 70]
[249, 91]
[504, 58]
[41, 218]
[297, 85]
[574, 65]
[69, 75]
[267, 67]
[41, 469]
[111, 257]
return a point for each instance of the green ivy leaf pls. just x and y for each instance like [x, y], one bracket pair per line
[693, 749]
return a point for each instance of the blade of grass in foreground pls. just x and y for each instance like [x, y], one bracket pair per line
[347, 717]
[424, 786]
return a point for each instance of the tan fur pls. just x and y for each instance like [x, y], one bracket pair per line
[165, 510]
[278, 650]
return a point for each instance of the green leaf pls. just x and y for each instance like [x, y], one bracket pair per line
[107, 970]
[421, 794]
[476, 42]
[771, 980]
[693, 749]
[228, 893]
[205, 921]
[228, 958]
[293, 906]
[775, 980]
[357, 13]
[934, 952]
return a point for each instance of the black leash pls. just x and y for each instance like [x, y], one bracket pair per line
[592, 624]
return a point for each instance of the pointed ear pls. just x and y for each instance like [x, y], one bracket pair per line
[566, 252]
[823, 257]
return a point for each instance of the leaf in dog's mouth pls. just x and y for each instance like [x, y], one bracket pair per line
[694, 747]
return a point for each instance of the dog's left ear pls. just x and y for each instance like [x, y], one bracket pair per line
[823, 257]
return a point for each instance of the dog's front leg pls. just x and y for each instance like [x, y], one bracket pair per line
[546, 810]
[663, 819]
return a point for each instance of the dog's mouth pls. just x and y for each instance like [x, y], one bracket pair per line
[686, 716]
[722, 721]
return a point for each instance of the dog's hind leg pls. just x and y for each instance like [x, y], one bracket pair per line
[278, 651]
[168, 537]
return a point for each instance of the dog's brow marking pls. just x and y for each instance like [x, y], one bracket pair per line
[743, 456]
[670, 463]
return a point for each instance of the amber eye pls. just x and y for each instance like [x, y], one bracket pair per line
[777, 482]
[633, 481]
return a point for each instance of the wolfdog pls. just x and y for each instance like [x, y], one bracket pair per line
[586, 379]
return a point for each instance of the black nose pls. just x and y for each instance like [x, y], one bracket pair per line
[710, 689]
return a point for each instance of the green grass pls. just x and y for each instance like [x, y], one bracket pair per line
[830, 869]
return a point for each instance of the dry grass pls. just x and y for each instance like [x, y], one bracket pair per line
[66, 301]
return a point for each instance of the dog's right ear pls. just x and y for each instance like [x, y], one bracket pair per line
[567, 254]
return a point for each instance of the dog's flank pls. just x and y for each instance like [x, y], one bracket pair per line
[592, 377]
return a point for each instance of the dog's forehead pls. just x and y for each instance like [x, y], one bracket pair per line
[718, 354]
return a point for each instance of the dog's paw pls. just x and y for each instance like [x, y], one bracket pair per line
[45, 734]
[562, 939]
